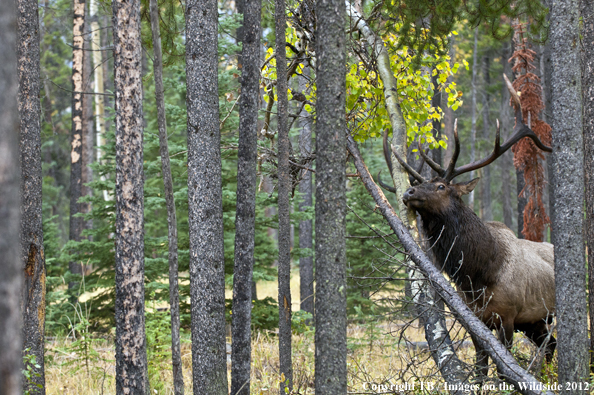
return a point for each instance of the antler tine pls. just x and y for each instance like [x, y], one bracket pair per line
[384, 185]
[434, 165]
[387, 155]
[515, 98]
[451, 167]
[407, 167]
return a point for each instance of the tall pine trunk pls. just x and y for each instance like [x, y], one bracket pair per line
[587, 8]
[568, 237]
[330, 224]
[284, 189]
[205, 202]
[178, 379]
[77, 130]
[306, 273]
[10, 260]
[131, 358]
[505, 163]
[247, 156]
[32, 257]
[486, 181]
[473, 111]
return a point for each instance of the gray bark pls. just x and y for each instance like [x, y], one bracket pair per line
[88, 136]
[522, 201]
[32, 257]
[131, 358]
[284, 189]
[505, 163]
[587, 8]
[568, 161]
[330, 206]
[178, 379]
[505, 362]
[247, 156]
[10, 260]
[448, 113]
[473, 112]
[486, 181]
[306, 272]
[207, 274]
[77, 130]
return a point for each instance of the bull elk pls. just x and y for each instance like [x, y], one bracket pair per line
[509, 283]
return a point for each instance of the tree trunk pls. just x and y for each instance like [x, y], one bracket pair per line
[87, 140]
[506, 364]
[131, 358]
[207, 265]
[330, 224]
[448, 113]
[32, 257]
[10, 261]
[247, 156]
[505, 163]
[568, 161]
[178, 378]
[284, 189]
[306, 271]
[473, 112]
[587, 8]
[436, 103]
[77, 131]
[522, 201]
[486, 181]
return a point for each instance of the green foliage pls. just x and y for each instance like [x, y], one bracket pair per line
[30, 367]
[158, 341]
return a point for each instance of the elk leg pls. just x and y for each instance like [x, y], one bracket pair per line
[482, 359]
[538, 333]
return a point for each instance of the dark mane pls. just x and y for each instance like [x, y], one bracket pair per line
[463, 246]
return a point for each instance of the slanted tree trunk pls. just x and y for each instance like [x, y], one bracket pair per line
[568, 166]
[587, 8]
[306, 273]
[131, 358]
[330, 304]
[77, 130]
[247, 156]
[473, 111]
[505, 162]
[10, 257]
[486, 181]
[32, 257]
[205, 202]
[178, 378]
[284, 189]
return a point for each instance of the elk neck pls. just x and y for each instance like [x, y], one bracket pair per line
[464, 246]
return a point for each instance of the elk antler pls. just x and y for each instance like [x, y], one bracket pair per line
[413, 174]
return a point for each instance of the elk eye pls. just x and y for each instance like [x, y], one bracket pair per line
[441, 187]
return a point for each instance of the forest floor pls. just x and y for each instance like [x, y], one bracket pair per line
[379, 353]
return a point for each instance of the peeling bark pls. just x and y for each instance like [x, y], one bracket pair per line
[247, 156]
[32, 258]
[131, 358]
[10, 254]
[77, 132]
[205, 203]
[178, 379]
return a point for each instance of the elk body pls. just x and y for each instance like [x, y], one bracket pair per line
[509, 283]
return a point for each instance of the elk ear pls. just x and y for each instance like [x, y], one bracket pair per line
[464, 188]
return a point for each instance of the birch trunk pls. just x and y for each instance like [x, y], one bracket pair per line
[32, 257]
[178, 379]
[131, 358]
[11, 263]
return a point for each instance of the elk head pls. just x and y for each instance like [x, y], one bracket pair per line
[433, 196]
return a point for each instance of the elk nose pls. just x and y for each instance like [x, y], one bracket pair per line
[409, 192]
